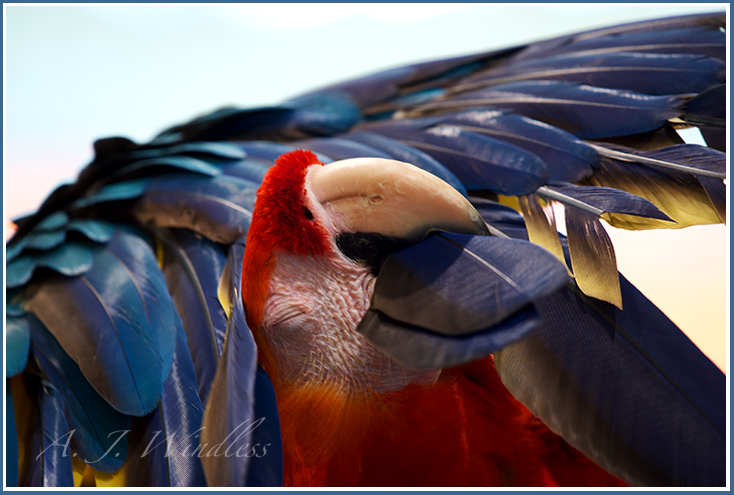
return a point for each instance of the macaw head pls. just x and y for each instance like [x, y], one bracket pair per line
[318, 236]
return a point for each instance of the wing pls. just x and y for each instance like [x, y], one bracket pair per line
[124, 315]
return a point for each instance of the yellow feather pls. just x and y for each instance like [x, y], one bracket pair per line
[592, 257]
[541, 230]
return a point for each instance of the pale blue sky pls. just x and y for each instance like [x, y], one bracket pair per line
[75, 74]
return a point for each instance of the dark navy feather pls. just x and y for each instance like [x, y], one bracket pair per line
[650, 370]
[607, 199]
[567, 157]
[219, 208]
[418, 348]
[659, 417]
[457, 284]
[320, 114]
[229, 417]
[11, 441]
[340, 149]
[382, 86]
[98, 428]
[47, 454]
[698, 34]
[478, 161]
[251, 169]
[646, 73]
[688, 40]
[264, 150]
[688, 158]
[708, 111]
[585, 111]
[503, 218]
[266, 459]
[193, 267]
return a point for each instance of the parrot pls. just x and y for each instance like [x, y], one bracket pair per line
[366, 285]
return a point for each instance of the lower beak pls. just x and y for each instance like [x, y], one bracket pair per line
[391, 198]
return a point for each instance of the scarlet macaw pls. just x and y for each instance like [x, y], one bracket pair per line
[382, 319]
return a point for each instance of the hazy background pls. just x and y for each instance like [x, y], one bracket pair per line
[75, 74]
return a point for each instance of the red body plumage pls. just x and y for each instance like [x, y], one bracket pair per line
[466, 430]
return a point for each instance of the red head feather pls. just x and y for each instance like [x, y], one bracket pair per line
[280, 222]
[281, 219]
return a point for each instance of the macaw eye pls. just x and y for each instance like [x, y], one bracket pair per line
[307, 213]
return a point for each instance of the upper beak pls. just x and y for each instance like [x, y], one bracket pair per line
[391, 198]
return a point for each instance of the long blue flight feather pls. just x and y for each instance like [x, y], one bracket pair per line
[11, 441]
[193, 267]
[266, 459]
[229, 416]
[164, 445]
[585, 111]
[646, 73]
[698, 40]
[615, 384]
[567, 157]
[99, 430]
[477, 160]
[668, 35]
[47, 454]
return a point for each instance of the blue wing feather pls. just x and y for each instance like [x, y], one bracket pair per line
[457, 284]
[479, 161]
[646, 73]
[17, 344]
[91, 418]
[587, 112]
[48, 458]
[229, 415]
[193, 268]
[11, 442]
[266, 463]
[164, 446]
[219, 208]
[120, 312]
